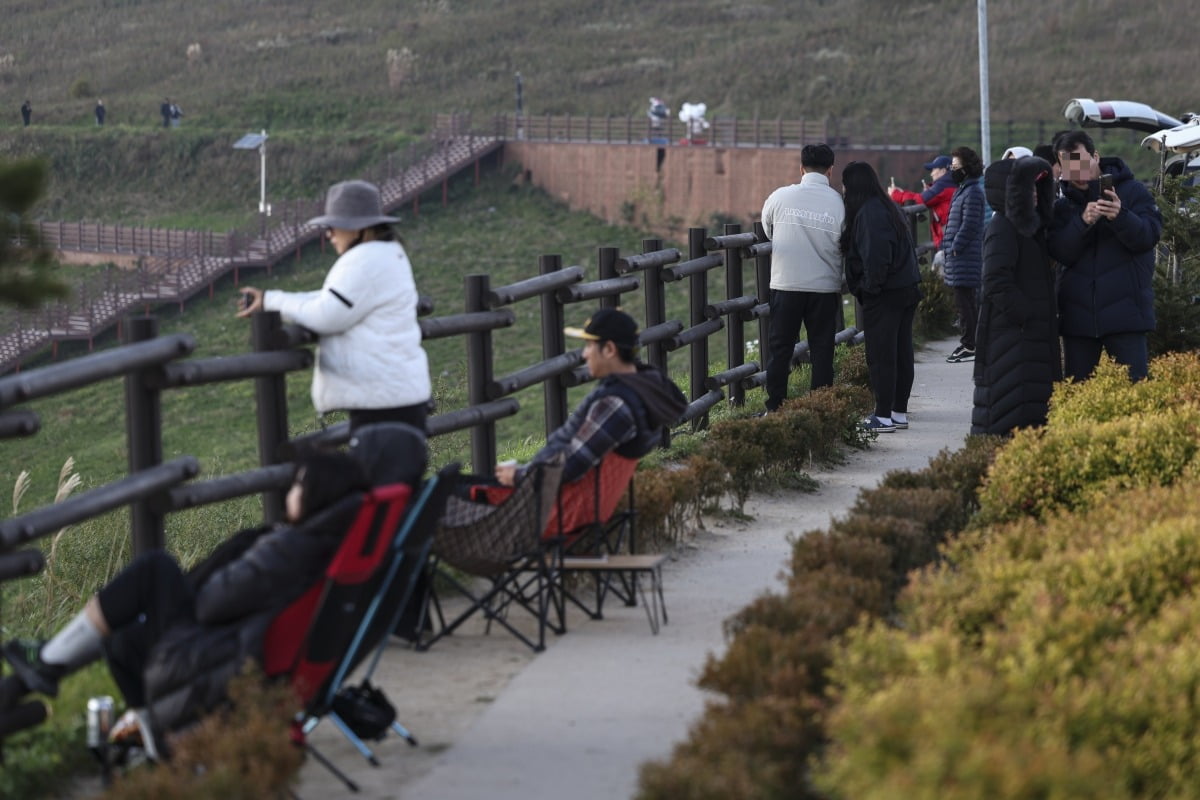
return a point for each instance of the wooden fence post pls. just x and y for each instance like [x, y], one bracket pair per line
[656, 304]
[143, 432]
[697, 300]
[554, 391]
[270, 400]
[735, 336]
[479, 376]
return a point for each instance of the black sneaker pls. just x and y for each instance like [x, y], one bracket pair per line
[961, 354]
[37, 675]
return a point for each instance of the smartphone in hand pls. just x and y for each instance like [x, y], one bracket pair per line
[1106, 185]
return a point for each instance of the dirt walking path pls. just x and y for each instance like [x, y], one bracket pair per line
[496, 721]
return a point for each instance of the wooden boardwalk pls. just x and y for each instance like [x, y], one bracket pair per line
[177, 265]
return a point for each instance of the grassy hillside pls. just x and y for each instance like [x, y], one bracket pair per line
[324, 65]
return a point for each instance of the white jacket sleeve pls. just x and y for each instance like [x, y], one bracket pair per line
[340, 304]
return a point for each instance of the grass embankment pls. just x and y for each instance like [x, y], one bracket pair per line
[325, 65]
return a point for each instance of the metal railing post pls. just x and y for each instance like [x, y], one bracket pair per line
[143, 431]
[697, 300]
[656, 305]
[607, 263]
[735, 331]
[270, 399]
[762, 283]
[554, 392]
[479, 376]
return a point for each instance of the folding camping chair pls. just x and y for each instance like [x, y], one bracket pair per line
[386, 595]
[500, 542]
[320, 637]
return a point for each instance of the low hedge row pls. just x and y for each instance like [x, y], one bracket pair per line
[758, 741]
[1044, 645]
[741, 455]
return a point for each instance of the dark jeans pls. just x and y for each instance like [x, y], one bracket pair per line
[966, 303]
[1081, 354]
[817, 311]
[887, 329]
[139, 605]
[414, 415]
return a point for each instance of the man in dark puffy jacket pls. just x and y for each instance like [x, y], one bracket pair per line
[626, 412]
[1105, 240]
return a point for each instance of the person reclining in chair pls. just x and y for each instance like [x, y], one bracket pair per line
[626, 412]
[161, 629]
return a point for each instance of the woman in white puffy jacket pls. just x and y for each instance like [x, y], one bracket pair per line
[370, 361]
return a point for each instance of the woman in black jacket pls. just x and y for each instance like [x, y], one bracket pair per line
[258, 570]
[1017, 361]
[881, 272]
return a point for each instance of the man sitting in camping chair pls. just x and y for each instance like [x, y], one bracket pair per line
[625, 414]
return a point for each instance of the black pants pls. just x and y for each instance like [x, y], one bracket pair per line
[817, 311]
[1081, 354]
[414, 415]
[887, 327]
[139, 605]
[966, 303]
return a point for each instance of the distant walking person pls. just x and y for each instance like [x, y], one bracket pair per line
[882, 273]
[165, 111]
[962, 246]
[101, 113]
[804, 222]
[27, 112]
[369, 361]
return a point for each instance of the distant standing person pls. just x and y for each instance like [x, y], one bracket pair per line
[165, 111]
[27, 112]
[176, 115]
[962, 246]
[1017, 360]
[1104, 235]
[804, 222]
[101, 113]
[370, 361]
[882, 273]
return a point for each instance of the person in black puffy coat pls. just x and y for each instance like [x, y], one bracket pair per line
[180, 636]
[1105, 243]
[1017, 358]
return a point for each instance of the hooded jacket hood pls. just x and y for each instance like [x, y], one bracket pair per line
[661, 398]
[1009, 187]
[391, 452]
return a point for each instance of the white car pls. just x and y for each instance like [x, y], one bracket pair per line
[1178, 136]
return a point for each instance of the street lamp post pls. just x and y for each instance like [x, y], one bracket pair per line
[258, 141]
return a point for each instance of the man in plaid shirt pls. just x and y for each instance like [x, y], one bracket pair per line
[626, 412]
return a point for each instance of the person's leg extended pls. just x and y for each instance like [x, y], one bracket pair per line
[1081, 354]
[787, 313]
[1129, 349]
[820, 323]
[151, 591]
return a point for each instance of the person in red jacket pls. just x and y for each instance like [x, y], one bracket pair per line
[936, 196]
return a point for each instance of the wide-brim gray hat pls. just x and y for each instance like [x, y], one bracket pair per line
[352, 206]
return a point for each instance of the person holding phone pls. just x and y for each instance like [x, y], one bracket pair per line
[1106, 226]
[370, 361]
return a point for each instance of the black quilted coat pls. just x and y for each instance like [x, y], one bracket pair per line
[1017, 358]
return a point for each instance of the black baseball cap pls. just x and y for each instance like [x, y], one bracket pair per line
[608, 324]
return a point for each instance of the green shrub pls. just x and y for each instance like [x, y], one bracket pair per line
[759, 740]
[80, 89]
[1051, 660]
[1072, 466]
[935, 313]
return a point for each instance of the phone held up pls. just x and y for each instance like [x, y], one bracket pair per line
[245, 300]
[1106, 185]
